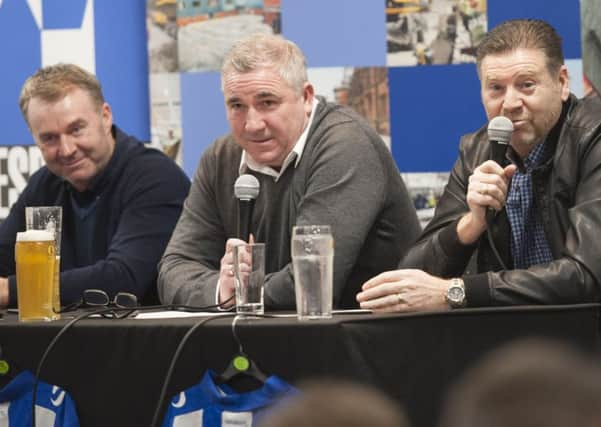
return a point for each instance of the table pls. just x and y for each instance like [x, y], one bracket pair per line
[114, 369]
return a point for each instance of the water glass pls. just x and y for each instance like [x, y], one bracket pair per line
[249, 275]
[313, 263]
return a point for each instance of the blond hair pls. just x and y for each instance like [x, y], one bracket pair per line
[53, 82]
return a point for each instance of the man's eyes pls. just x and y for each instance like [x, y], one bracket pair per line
[48, 139]
[527, 85]
[268, 103]
[495, 87]
[77, 130]
[260, 105]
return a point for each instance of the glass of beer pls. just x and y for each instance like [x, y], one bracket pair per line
[36, 260]
[49, 218]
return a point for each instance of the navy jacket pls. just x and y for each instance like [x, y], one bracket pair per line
[140, 195]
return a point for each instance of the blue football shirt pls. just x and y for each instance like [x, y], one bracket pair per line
[207, 404]
[54, 406]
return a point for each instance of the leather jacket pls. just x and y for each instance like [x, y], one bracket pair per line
[567, 193]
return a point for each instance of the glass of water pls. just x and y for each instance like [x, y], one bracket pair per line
[313, 264]
[249, 274]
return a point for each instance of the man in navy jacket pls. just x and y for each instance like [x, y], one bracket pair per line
[120, 199]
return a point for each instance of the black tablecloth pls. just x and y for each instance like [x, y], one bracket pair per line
[114, 369]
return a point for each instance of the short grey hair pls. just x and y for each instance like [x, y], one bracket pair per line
[267, 51]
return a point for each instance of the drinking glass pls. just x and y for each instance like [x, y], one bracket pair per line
[313, 264]
[35, 260]
[249, 275]
[49, 218]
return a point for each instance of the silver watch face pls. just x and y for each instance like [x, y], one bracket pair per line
[456, 294]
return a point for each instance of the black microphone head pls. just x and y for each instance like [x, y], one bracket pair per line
[246, 187]
[500, 129]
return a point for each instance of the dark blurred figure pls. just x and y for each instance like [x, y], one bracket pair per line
[337, 404]
[531, 383]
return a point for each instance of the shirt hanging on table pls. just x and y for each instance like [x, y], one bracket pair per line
[207, 404]
[54, 407]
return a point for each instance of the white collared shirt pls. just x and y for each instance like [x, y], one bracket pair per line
[294, 155]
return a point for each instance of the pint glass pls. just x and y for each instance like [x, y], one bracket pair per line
[49, 218]
[249, 272]
[36, 259]
[312, 251]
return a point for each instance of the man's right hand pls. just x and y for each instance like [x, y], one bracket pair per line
[3, 292]
[227, 288]
[488, 187]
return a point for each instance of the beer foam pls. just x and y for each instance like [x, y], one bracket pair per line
[35, 236]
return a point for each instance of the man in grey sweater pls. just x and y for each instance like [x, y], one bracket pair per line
[317, 163]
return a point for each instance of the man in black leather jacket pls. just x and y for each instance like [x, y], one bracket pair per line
[555, 152]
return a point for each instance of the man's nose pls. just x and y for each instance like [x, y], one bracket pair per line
[512, 100]
[66, 146]
[254, 121]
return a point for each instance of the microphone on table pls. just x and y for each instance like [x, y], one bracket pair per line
[500, 129]
[246, 190]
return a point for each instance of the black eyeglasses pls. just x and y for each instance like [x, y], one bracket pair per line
[123, 302]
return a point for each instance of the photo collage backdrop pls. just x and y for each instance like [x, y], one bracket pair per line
[407, 66]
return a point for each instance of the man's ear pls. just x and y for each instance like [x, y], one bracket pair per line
[564, 81]
[308, 95]
[107, 118]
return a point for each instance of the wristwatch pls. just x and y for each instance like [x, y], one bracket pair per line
[456, 294]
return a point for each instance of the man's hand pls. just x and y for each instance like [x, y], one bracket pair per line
[227, 283]
[3, 292]
[404, 290]
[488, 187]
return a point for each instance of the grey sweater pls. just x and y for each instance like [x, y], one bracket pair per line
[346, 178]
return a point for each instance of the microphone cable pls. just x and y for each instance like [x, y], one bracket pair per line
[51, 345]
[174, 358]
[491, 243]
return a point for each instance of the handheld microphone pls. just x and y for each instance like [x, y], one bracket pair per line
[246, 190]
[500, 129]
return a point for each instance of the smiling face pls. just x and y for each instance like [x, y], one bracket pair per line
[266, 115]
[519, 86]
[74, 136]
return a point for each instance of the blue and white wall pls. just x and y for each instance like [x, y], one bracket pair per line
[104, 36]
[430, 106]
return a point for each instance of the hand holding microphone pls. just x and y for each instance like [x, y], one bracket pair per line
[489, 184]
[246, 190]
[500, 130]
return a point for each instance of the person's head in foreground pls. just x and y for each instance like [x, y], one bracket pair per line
[530, 383]
[330, 403]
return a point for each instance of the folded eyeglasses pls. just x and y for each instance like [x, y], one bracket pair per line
[123, 303]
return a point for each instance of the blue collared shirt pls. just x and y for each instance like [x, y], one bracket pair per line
[529, 245]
